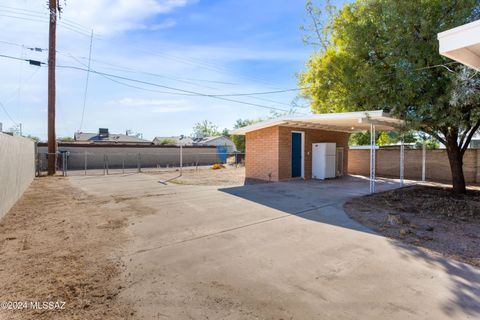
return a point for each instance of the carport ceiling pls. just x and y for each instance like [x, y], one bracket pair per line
[343, 122]
[462, 44]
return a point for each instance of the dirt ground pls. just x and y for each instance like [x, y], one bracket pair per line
[206, 176]
[430, 217]
[54, 247]
[59, 245]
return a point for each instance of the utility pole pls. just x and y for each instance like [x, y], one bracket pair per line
[52, 150]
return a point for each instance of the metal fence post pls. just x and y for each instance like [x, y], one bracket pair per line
[106, 162]
[138, 163]
[181, 160]
[402, 162]
[63, 164]
[104, 165]
[424, 157]
[85, 162]
[123, 164]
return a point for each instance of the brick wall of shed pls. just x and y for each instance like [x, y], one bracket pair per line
[269, 151]
[261, 154]
[311, 136]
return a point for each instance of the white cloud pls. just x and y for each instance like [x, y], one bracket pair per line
[168, 23]
[106, 17]
[113, 16]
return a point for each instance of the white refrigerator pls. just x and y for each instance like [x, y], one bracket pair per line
[323, 160]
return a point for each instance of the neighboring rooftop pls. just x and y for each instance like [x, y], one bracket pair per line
[186, 140]
[104, 136]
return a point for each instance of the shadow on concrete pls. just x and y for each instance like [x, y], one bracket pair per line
[306, 199]
[465, 280]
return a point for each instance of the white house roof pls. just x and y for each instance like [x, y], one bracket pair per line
[344, 122]
[462, 44]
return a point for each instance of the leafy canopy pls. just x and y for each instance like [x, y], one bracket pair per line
[205, 129]
[377, 54]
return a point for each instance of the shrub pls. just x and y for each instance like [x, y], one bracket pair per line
[217, 166]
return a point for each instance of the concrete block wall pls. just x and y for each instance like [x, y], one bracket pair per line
[150, 156]
[269, 151]
[17, 169]
[437, 165]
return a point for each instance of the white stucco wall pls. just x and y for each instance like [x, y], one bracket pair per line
[222, 141]
[17, 169]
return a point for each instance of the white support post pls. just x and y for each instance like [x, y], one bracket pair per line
[372, 158]
[424, 161]
[402, 162]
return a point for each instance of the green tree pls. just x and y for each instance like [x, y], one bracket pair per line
[205, 129]
[376, 54]
[34, 138]
[65, 139]
[167, 141]
[382, 138]
[225, 133]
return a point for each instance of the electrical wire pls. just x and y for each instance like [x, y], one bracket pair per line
[13, 94]
[8, 114]
[86, 82]
[192, 93]
[44, 19]
[173, 88]
[34, 13]
[189, 61]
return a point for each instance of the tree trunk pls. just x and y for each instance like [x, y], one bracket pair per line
[455, 157]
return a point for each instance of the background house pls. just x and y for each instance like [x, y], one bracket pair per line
[104, 136]
[174, 140]
[216, 141]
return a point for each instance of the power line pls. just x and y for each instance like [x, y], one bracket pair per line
[192, 93]
[8, 114]
[86, 82]
[129, 70]
[173, 88]
[33, 13]
[33, 18]
[34, 62]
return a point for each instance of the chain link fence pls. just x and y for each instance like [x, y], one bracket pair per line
[102, 162]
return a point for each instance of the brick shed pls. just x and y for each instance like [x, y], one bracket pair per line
[281, 149]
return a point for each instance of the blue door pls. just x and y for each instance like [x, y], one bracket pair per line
[296, 154]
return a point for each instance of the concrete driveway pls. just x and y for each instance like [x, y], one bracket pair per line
[274, 251]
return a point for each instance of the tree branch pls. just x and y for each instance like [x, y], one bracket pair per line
[434, 134]
[469, 137]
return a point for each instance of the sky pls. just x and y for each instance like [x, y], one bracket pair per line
[183, 47]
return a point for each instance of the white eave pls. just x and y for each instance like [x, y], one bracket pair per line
[462, 44]
[343, 122]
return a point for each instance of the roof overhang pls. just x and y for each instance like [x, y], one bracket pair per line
[462, 44]
[343, 122]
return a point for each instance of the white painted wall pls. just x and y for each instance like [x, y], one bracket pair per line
[17, 169]
[222, 141]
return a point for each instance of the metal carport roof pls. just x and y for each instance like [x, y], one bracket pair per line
[344, 122]
[462, 44]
